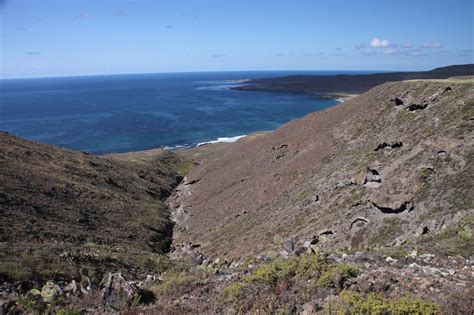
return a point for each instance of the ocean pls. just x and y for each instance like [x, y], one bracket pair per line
[121, 113]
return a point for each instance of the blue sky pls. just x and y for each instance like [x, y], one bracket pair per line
[77, 37]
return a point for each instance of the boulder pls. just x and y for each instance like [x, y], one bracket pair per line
[289, 246]
[117, 293]
[372, 178]
[50, 292]
[271, 254]
[71, 288]
[85, 283]
[283, 254]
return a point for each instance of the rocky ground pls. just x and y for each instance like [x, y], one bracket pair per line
[356, 282]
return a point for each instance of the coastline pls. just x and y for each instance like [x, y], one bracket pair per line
[340, 97]
[224, 140]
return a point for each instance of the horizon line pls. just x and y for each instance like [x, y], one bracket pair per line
[220, 71]
[199, 71]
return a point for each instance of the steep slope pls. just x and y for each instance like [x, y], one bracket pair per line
[378, 170]
[335, 84]
[60, 209]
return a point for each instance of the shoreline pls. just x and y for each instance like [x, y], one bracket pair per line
[339, 97]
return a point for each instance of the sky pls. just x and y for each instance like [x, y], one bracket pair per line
[42, 38]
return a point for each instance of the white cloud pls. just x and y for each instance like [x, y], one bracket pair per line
[431, 45]
[360, 46]
[377, 42]
[390, 52]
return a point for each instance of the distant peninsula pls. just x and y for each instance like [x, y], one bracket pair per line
[341, 85]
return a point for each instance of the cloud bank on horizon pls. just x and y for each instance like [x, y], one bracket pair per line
[51, 38]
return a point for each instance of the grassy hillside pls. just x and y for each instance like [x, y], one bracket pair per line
[380, 170]
[62, 209]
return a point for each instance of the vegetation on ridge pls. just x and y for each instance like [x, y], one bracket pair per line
[276, 281]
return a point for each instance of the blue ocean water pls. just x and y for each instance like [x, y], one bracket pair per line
[119, 113]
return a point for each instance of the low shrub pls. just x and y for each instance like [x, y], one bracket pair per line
[351, 302]
[337, 275]
[176, 282]
[277, 284]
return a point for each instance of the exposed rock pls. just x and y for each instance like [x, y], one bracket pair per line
[359, 219]
[447, 89]
[390, 259]
[397, 101]
[414, 107]
[299, 250]
[405, 206]
[192, 182]
[85, 283]
[313, 200]
[372, 178]
[117, 293]
[387, 145]
[289, 246]
[281, 151]
[71, 288]
[426, 230]
[50, 292]
[346, 182]
[283, 253]
[326, 232]
[413, 254]
[196, 258]
[308, 309]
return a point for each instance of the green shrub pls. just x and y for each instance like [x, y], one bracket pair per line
[351, 302]
[337, 275]
[69, 310]
[269, 287]
[175, 282]
[280, 271]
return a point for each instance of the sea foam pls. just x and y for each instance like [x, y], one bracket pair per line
[221, 140]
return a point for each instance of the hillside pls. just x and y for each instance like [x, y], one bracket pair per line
[379, 170]
[363, 208]
[349, 84]
[62, 209]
